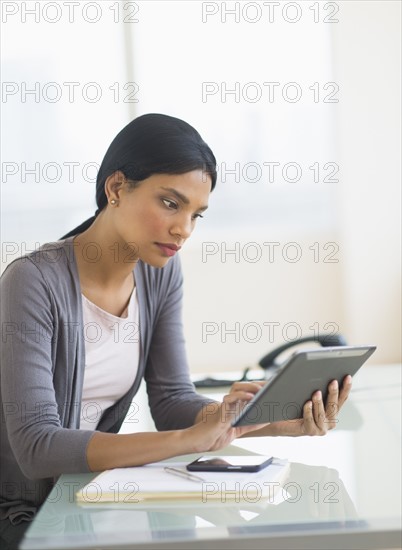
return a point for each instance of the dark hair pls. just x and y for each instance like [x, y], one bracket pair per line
[151, 144]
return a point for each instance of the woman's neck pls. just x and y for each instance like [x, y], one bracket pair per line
[102, 259]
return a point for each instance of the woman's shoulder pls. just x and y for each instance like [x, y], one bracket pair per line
[48, 261]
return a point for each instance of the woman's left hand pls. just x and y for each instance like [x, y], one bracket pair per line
[318, 417]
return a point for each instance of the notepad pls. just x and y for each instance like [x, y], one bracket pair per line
[152, 482]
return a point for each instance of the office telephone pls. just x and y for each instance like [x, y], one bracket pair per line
[269, 364]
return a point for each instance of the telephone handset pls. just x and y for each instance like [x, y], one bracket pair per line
[268, 362]
[326, 340]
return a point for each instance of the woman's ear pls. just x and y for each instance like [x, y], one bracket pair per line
[113, 185]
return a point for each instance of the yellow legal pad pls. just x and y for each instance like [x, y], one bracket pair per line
[153, 482]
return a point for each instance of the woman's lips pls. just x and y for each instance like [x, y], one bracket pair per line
[168, 249]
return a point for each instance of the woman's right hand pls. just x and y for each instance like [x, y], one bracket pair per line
[213, 429]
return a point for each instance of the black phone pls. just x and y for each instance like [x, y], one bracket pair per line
[269, 364]
[229, 463]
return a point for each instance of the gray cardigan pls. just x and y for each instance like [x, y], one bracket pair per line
[42, 370]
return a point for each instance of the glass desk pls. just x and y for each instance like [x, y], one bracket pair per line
[342, 491]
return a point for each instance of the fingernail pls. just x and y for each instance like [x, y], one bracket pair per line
[334, 385]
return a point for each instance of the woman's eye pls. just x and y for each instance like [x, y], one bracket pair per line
[169, 203]
[197, 216]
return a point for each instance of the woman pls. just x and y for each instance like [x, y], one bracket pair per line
[65, 389]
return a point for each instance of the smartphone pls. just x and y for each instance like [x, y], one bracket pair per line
[229, 463]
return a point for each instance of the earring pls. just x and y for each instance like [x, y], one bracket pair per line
[113, 202]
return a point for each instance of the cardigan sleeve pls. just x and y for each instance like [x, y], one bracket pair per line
[173, 399]
[31, 427]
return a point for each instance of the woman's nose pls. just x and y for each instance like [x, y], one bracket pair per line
[183, 227]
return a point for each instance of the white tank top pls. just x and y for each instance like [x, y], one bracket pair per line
[112, 349]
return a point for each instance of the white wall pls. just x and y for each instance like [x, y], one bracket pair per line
[367, 63]
[235, 310]
[169, 52]
[53, 138]
[362, 292]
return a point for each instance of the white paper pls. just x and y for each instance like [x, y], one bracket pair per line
[134, 484]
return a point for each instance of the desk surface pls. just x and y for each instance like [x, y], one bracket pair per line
[345, 486]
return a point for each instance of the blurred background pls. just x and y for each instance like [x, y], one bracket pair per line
[300, 102]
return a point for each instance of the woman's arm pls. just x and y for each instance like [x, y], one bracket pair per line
[106, 451]
[173, 401]
[318, 417]
[38, 428]
[212, 431]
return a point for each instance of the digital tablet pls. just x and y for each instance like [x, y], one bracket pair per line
[305, 372]
[229, 463]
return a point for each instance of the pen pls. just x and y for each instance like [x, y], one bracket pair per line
[182, 473]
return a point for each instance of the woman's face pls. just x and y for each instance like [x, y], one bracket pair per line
[156, 218]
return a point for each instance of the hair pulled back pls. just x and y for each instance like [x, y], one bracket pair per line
[151, 144]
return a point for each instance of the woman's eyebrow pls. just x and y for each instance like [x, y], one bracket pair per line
[182, 197]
